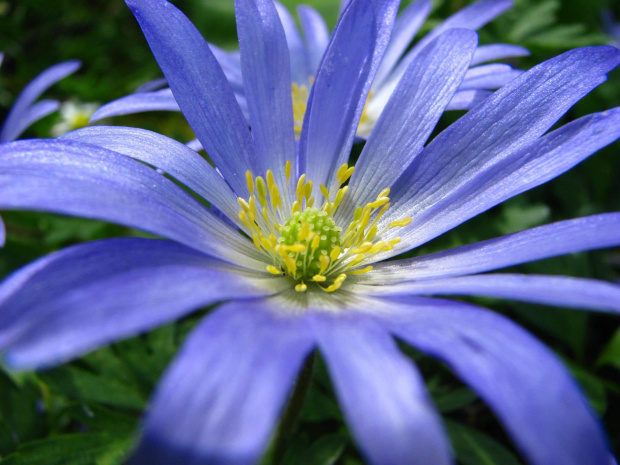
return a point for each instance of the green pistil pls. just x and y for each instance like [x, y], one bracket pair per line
[315, 230]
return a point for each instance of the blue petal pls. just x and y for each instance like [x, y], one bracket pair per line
[300, 70]
[560, 291]
[381, 393]
[407, 25]
[342, 84]
[484, 150]
[78, 179]
[34, 113]
[14, 124]
[467, 99]
[523, 382]
[561, 238]
[89, 295]
[158, 100]
[267, 82]
[410, 116]
[220, 400]
[492, 52]
[491, 76]
[150, 86]
[200, 88]
[329, 122]
[195, 145]
[174, 158]
[316, 34]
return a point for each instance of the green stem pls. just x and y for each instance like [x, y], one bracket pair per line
[291, 413]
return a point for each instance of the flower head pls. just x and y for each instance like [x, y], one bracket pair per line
[261, 247]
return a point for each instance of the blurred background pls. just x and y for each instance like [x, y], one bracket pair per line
[87, 411]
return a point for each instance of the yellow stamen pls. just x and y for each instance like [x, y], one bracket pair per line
[273, 270]
[304, 243]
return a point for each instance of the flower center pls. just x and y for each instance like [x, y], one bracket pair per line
[304, 242]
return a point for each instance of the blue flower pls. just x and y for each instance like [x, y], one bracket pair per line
[26, 110]
[305, 56]
[299, 263]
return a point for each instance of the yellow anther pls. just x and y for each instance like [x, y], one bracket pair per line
[341, 170]
[303, 233]
[364, 248]
[266, 243]
[394, 241]
[372, 233]
[261, 189]
[384, 193]
[243, 204]
[273, 270]
[324, 260]
[379, 202]
[294, 248]
[287, 169]
[362, 270]
[315, 242]
[339, 195]
[356, 261]
[357, 214]
[250, 180]
[291, 264]
[337, 283]
[365, 219]
[270, 182]
[324, 191]
[347, 174]
[299, 191]
[265, 212]
[334, 254]
[379, 247]
[296, 207]
[301, 287]
[276, 200]
[319, 278]
[244, 218]
[400, 223]
[308, 190]
[256, 241]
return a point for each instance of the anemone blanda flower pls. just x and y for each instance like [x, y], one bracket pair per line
[298, 276]
[27, 111]
[305, 56]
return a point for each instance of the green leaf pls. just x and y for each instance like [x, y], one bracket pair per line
[593, 386]
[99, 418]
[77, 383]
[325, 451]
[454, 400]
[610, 355]
[72, 449]
[473, 447]
[20, 418]
[517, 216]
